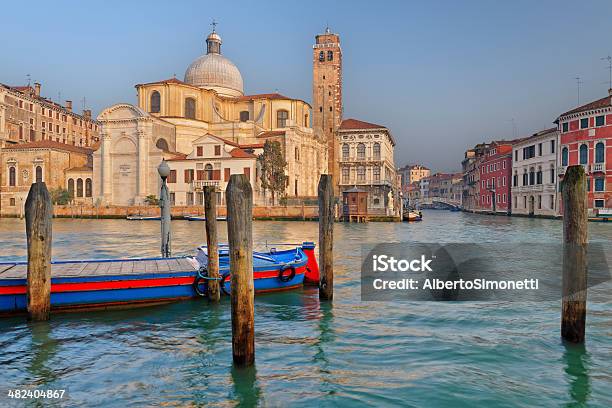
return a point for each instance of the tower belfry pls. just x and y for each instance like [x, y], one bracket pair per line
[327, 94]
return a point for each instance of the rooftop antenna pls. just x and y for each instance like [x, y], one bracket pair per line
[83, 101]
[609, 59]
[514, 129]
[59, 97]
[578, 83]
[29, 77]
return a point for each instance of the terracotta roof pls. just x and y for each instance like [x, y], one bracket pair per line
[252, 146]
[50, 144]
[82, 168]
[351, 124]
[263, 96]
[241, 154]
[166, 81]
[22, 88]
[600, 103]
[271, 133]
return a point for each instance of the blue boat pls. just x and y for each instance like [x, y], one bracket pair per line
[94, 284]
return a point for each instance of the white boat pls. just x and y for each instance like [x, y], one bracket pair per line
[136, 217]
[412, 216]
[201, 218]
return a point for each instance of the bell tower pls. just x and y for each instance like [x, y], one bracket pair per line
[327, 95]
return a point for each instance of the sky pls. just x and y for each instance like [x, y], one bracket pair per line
[441, 75]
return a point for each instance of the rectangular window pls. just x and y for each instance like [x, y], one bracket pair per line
[552, 146]
[598, 203]
[539, 149]
[516, 155]
[172, 176]
[599, 120]
[200, 151]
[12, 202]
[565, 127]
[584, 123]
[226, 174]
[539, 202]
[599, 184]
[217, 150]
[247, 173]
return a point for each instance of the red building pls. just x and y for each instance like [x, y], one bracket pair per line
[495, 177]
[586, 139]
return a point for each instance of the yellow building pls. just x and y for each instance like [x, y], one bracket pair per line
[172, 114]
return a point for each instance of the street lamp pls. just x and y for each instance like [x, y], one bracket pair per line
[164, 204]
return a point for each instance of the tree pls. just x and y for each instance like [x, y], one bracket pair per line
[60, 196]
[272, 165]
[151, 200]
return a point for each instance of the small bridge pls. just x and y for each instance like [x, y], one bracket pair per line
[440, 202]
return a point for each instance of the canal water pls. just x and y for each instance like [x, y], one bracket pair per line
[349, 353]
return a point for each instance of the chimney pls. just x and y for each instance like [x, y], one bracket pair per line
[610, 92]
[37, 89]
[69, 106]
[87, 113]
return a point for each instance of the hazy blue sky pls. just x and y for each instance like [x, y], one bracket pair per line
[442, 75]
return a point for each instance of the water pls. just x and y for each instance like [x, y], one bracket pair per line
[349, 353]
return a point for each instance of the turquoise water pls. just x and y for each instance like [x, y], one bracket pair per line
[345, 353]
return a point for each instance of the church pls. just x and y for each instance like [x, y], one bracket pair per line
[207, 129]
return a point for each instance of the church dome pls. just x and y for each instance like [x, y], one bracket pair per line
[214, 71]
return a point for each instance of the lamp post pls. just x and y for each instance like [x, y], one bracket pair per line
[164, 203]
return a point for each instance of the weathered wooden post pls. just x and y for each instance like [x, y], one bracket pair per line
[575, 239]
[240, 237]
[164, 204]
[38, 215]
[210, 212]
[326, 237]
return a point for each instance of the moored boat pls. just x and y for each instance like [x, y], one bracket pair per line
[201, 218]
[412, 216]
[94, 284]
[137, 217]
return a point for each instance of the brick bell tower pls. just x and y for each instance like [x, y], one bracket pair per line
[327, 95]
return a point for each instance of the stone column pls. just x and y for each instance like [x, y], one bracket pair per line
[107, 184]
[142, 166]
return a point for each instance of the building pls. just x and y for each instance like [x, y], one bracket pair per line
[211, 163]
[412, 173]
[445, 187]
[534, 174]
[367, 162]
[173, 117]
[327, 96]
[470, 200]
[586, 139]
[25, 116]
[59, 165]
[495, 174]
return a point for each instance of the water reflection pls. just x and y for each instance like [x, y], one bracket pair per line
[246, 389]
[44, 348]
[576, 361]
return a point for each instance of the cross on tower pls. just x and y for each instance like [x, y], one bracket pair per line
[214, 25]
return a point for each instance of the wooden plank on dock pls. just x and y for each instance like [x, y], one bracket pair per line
[162, 265]
[19, 272]
[90, 269]
[127, 267]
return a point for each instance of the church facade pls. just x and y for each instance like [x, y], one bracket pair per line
[173, 117]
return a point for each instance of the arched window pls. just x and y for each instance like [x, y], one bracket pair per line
[39, 174]
[376, 151]
[244, 116]
[361, 173]
[564, 156]
[12, 176]
[208, 171]
[88, 187]
[539, 175]
[584, 154]
[531, 176]
[345, 174]
[321, 56]
[71, 187]
[80, 187]
[190, 108]
[330, 55]
[345, 151]
[361, 151]
[155, 102]
[552, 173]
[162, 145]
[599, 152]
[376, 173]
[281, 118]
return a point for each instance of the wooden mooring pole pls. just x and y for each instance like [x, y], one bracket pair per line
[38, 215]
[240, 238]
[575, 239]
[212, 243]
[326, 237]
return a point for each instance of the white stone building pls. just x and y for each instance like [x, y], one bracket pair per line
[366, 161]
[534, 174]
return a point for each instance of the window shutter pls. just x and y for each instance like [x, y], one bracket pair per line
[200, 174]
[227, 174]
[216, 175]
[247, 172]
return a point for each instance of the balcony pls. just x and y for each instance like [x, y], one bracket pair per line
[200, 184]
[598, 167]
